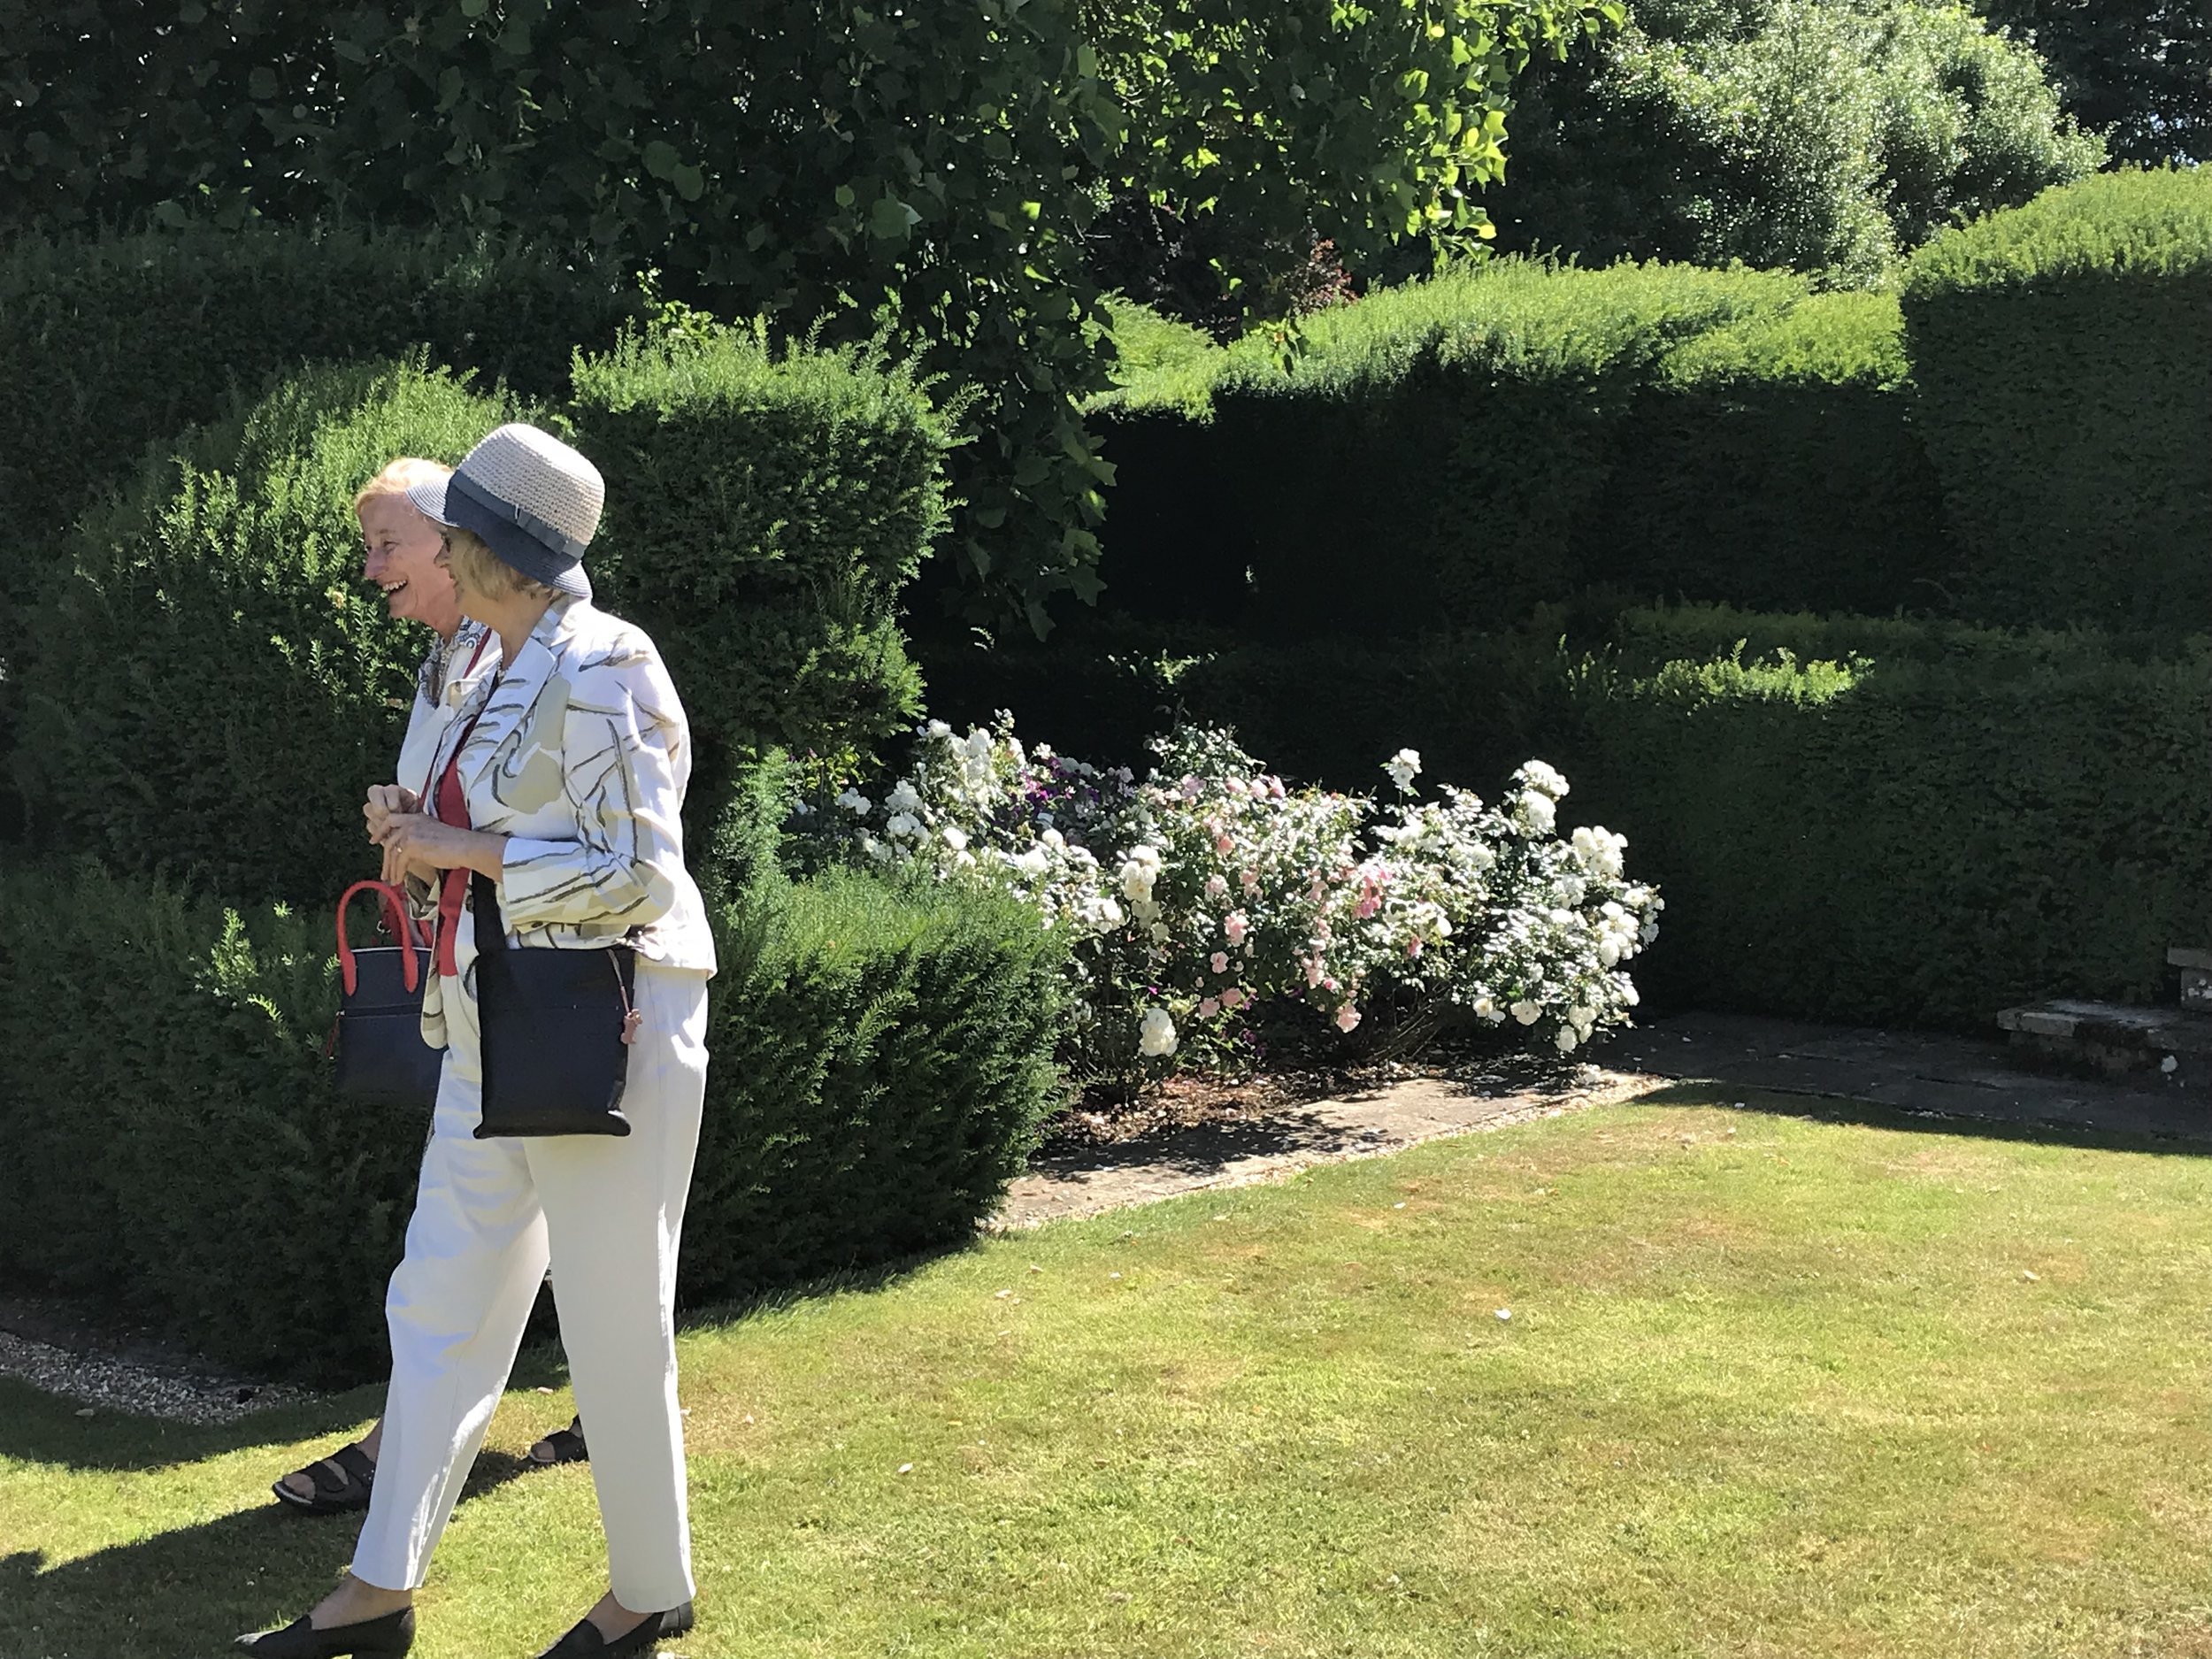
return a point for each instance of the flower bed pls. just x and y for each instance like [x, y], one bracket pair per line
[1211, 906]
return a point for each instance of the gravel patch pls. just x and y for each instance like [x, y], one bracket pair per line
[106, 1383]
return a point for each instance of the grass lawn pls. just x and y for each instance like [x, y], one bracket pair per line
[1770, 1385]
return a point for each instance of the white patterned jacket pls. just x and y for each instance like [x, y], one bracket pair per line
[579, 754]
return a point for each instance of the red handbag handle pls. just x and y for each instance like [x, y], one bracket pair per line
[396, 918]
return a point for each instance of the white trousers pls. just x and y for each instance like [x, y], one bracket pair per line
[607, 1212]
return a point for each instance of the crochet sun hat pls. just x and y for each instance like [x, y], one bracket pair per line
[533, 500]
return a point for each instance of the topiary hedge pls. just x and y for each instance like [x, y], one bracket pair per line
[1908, 842]
[765, 509]
[2060, 350]
[211, 688]
[881, 1061]
[131, 339]
[1457, 451]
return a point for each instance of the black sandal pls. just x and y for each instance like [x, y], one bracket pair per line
[567, 1444]
[342, 1483]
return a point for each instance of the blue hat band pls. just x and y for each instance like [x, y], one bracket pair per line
[522, 540]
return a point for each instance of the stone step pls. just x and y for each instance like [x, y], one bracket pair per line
[2114, 1036]
[2196, 975]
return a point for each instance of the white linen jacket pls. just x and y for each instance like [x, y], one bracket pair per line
[579, 753]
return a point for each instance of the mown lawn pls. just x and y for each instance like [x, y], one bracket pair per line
[1770, 1385]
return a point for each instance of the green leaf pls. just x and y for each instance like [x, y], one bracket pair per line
[891, 218]
[660, 159]
[690, 182]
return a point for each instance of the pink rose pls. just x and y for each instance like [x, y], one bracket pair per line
[1208, 1009]
[1221, 962]
[1216, 886]
[1313, 972]
[1413, 948]
[1234, 928]
[1347, 1017]
[1233, 997]
[1223, 845]
[1250, 878]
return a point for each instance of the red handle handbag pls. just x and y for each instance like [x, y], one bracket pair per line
[377, 1043]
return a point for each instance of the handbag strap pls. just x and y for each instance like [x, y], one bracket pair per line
[491, 927]
[396, 920]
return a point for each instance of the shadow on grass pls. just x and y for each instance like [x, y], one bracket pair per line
[180, 1592]
[1830, 1109]
[189, 1590]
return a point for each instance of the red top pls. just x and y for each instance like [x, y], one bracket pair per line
[448, 804]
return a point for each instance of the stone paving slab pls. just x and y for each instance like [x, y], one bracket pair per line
[1913, 1072]
[1369, 1125]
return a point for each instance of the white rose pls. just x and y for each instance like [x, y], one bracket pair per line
[904, 826]
[1539, 811]
[938, 728]
[1567, 1040]
[903, 798]
[1034, 863]
[1537, 776]
[1527, 1013]
[955, 838]
[1155, 1037]
[852, 800]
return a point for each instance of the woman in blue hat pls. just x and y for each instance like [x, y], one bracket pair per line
[560, 780]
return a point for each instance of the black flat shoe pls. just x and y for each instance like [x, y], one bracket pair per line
[586, 1642]
[386, 1637]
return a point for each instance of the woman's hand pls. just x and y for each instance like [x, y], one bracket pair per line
[385, 800]
[415, 841]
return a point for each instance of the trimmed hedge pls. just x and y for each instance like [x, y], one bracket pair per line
[765, 509]
[1877, 820]
[211, 686]
[1910, 842]
[131, 339]
[882, 1059]
[1458, 451]
[2060, 349]
[880, 1062]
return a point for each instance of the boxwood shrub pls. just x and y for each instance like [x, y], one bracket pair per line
[131, 339]
[879, 1062]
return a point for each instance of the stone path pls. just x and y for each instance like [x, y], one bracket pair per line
[1369, 1125]
[1930, 1074]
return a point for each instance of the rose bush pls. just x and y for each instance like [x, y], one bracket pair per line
[1212, 900]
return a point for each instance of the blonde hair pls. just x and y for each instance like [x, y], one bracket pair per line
[475, 565]
[398, 476]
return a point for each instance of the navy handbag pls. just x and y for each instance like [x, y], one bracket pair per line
[380, 1059]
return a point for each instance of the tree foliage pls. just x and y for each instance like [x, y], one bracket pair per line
[936, 165]
[1825, 135]
[2137, 70]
